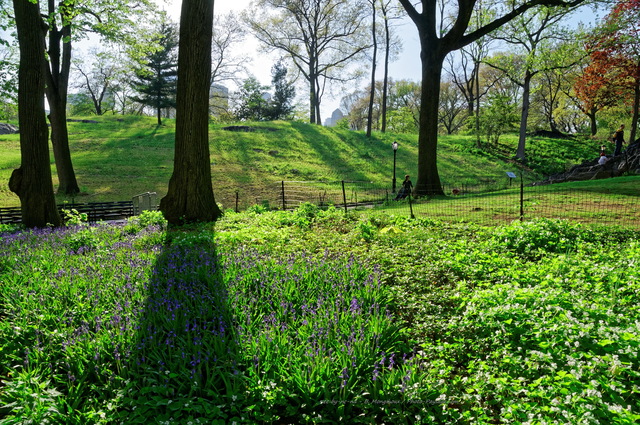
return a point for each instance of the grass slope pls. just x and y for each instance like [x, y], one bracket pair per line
[121, 156]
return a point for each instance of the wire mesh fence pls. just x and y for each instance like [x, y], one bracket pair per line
[485, 202]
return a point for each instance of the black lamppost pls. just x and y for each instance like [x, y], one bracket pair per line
[394, 145]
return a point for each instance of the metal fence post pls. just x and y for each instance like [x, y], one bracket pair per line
[344, 197]
[411, 206]
[284, 202]
[521, 197]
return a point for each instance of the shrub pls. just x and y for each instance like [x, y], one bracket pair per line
[534, 238]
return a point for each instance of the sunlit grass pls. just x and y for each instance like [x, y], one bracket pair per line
[121, 156]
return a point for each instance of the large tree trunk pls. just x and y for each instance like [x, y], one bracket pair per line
[190, 195]
[524, 116]
[60, 141]
[32, 181]
[385, 79]
[428, 182]
[56, 90]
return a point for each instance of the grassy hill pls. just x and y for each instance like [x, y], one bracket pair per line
[118, 157]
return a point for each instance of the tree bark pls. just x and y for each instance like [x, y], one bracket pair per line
[428, 182]
[67, 183]
[372, 91]
[190, 195]
[636, 110]
[593, 123]
[32, 181]
[56, 91]
[524, 116]
[385, 79]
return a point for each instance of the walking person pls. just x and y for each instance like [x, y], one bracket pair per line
[618, 139]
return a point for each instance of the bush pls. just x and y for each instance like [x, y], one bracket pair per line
[532, 239]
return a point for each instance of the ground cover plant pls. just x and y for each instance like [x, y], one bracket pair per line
[314, 316]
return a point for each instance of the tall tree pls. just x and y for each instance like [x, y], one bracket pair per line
[321, 38]
[465, 72]
[540, 39]
[99, 73]
[57, 73]
[32, 181]
[374, 60]
[190, 195]
[68, 20]
[392, 45]
[435, 47]
[281, 104]
[616, 47]
[156, 79]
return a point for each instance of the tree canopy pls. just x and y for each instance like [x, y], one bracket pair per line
[437, 40]
[321, 38]
[615, 53]
[156, 79]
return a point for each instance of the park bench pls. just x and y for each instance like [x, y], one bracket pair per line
[96, 211]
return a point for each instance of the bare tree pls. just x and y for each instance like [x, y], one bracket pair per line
[228, 32]
[451, 113]
[322, 38]
[99, 74]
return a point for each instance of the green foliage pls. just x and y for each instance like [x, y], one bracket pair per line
[83, 240]
[498, 117]
[315, 316]
[73, 218]
[156, 78]
[534, 238]
[251, 104]
[280, 106]
[152, 218]
[31, 399]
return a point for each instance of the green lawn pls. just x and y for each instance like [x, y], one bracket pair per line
[122, 156]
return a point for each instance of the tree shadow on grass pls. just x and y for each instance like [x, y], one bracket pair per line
[183, 365]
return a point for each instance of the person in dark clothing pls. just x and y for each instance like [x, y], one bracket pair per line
[618, 139]
[406, 188]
